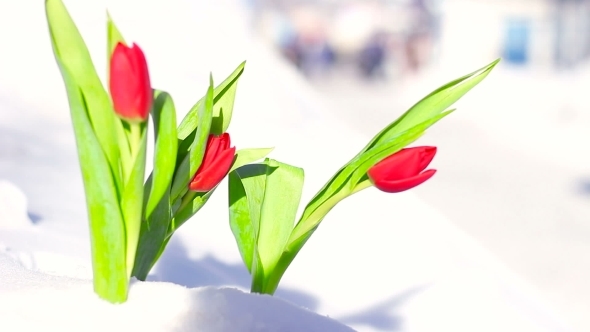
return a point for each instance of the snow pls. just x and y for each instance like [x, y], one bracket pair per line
[151, 306]
[378, 262]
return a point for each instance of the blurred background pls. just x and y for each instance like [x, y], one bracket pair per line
[391, 39]
[514, 160]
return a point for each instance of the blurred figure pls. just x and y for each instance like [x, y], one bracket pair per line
[293, 52]
[363, 35]
[313, 53]
[372, 57]
[288, 40]
[316, 54]
[420, 36]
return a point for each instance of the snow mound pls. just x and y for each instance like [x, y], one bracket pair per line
[32, 301]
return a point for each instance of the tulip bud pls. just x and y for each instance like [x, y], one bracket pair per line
[215, 165]
[403, 170]
[129, 83]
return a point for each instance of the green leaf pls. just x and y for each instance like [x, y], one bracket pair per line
[223, 109]
[239, 220]
[114, 36]
[222, 117]
[196, 203]
[153, 238]
[132, 200]
[197, 150]
[189, 166]
[263, 202]
[98, 153]
[133, 195]
[383, 149]
[164, 117]
[347, 178]
[432, 107]
[71, 53]
[260, 280]
[246, 156]
[284, 184]
[107, 229]
[343, 184]
[246, 194]
[352, 177]
[433, 104]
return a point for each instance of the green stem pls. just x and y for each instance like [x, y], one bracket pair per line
[153, 238]
[301, 233]
[133, 214]
[271, 283]
[134, 142]
[135, 131]
[310, 223]
[187, 199]
[259, 284]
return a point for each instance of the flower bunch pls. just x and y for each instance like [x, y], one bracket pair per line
[132, 217]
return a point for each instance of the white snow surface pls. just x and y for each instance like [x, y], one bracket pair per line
[40, 301]
[378, 262]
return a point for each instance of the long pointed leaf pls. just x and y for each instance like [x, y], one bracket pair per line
[406, 129]
[114, 36]
[223, 109]
[247, 186]
[191, 209]
[434, 103]
[429, 107]
[132, 201]
[200, 143]
[153, 235]
[284, 185]
[70, 50]
[246, 156]
[344, 181]
[191, 120]
[164, 117]
[107, 232]
[351, 175]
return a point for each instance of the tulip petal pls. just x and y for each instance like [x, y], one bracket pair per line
[399, 165]
[210, 152]
[225, 141]
[426, 156]
[207, 178]
[143, 74]
[403, 164]
[129, 83]
[397, 186]
[214, 148]
[119, 68]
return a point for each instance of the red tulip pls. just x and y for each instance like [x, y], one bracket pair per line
[216, 163]
[403, 170]
[129, 83]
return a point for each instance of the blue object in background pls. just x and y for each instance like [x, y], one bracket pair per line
[516, 41]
